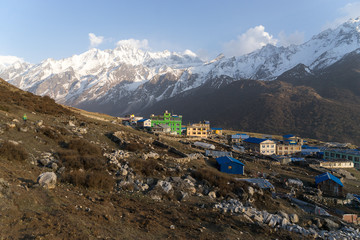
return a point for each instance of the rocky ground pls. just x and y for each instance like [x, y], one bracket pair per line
[68, 174]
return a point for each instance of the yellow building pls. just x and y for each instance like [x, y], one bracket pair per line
[337, 164]
[287, 149]
[198, 129]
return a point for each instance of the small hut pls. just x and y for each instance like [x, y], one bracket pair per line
[329, 184]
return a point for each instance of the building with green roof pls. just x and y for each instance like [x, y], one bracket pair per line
[173, 121]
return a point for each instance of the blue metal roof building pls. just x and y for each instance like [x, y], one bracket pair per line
[327, 176]
[142, 120]
[329, 184]
[255, 140]
[288, 136]
[230, 165]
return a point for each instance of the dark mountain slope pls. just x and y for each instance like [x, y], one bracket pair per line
[323, 105]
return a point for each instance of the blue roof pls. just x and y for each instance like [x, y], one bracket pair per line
[288, 136]
[308, 147]
[216, 128]
[255, 140]
[226, 159]
[327, 176]
[142, 120]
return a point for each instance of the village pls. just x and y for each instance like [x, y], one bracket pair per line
[232, 151]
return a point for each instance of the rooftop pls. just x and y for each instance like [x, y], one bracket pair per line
[255, 140]
[226, 159]
[345, 151]
[327, 176]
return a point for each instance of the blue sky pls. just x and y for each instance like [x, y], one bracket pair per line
[38, 29]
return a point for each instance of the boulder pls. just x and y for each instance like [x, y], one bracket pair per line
[39, 123]
[47, 180]
[53, 166]
[166, 186]
[251, 191]
[124, 172]
[212, 194]
[283, 214]
[294, 218]
[44, 161]
[331, 224]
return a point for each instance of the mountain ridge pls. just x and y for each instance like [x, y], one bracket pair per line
[138, 78]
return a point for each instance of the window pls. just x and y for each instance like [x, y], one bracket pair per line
[280, 148]
[332, 154]
[229, 167]
[326, 154]
[356, 159]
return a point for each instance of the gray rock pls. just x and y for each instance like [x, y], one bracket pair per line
[258, 218]
[124, 172]
[24, 129]
[61, 170]
[47, 180]
[166, 186]
[285, 222]
[331, 224]
[294, 218]
[251, 191]
[44, 161]
[53, 166]
[212, 194]
[283, 214]
[39, 123]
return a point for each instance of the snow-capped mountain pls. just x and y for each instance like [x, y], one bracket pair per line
[127, 79]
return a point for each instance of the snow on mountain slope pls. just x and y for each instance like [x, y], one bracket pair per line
[136, 78]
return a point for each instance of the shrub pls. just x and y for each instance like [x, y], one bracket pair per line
[149, 167]
[73, 160]
[51, 133]
[99, 180]
[133, 147]
[89, 179]
[84, 147]
[225, 183]
[13, 152]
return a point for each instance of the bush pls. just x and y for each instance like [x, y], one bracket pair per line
[90, 179]
[73, 160]
[51, 133]
[133, 147]
[85, 164]
[99, 180]
[149, 167]
[84, 147]
[13, 152]
[225, 183]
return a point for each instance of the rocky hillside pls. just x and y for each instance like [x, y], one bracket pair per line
[66, 173]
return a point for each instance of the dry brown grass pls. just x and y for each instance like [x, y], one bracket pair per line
[212, 177]
[149, 167]
[85, 165]
[90, 179]
[13, 152]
